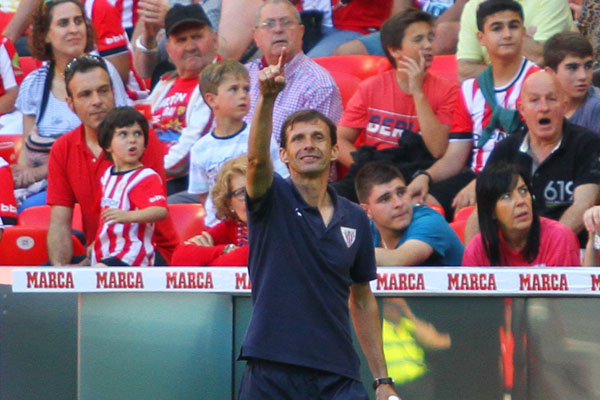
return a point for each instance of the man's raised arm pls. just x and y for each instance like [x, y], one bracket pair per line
[259, 177]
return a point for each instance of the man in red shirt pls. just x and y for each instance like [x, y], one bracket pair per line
[77, 162]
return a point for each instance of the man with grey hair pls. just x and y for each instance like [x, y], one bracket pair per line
[308, 85]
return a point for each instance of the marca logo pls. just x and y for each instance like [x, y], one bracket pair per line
[544, 282]
[400, 281]
[50, 280]
[189, 280]
[349, 235]
[472, 281]
[119, 280]
[595, 282]
[242, 281]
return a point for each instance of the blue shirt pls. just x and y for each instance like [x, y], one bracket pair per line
[301, 272]
[428, 225]
[588, 113]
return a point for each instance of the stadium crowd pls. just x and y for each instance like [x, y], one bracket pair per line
[468, 132]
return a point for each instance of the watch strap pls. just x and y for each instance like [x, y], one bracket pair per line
[388, 380]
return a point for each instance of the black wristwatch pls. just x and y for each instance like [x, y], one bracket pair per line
[422, 172]
[388, 380]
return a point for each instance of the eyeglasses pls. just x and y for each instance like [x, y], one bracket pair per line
[284, 23]
[239, 194]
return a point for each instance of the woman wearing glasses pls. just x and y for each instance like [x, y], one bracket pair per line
[61, 32]
[227, 242]
[512, 234]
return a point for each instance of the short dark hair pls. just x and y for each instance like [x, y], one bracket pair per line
[374, 173]
[565, 44]
[84, 63]
[306, 116]
[490, 7]
[492, 183]
[392, 30]
[116, 118]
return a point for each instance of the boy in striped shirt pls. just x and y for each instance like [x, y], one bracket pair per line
[133, 196]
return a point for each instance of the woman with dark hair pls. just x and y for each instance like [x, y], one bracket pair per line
[61, 31]
[512, 233]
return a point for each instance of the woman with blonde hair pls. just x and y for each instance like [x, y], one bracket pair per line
[226, 243]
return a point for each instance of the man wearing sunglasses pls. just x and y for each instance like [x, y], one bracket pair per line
[77, 162]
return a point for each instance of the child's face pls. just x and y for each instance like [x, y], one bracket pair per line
[503, 34]
[575, 75]
[127, 147]
[232, 98]
[417, 41]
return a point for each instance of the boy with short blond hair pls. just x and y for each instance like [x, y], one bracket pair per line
[225, 87]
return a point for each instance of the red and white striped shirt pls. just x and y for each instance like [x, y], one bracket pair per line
[473, 113]
[132, 190]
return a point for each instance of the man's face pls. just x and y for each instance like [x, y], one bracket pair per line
[277, 28]
[417, 41]
[308, 148]
[543, 105]
[389, 206]
[503, 34]
[191, 48]
[91, 96]
[575, 76]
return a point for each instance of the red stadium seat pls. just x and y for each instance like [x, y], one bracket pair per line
[39, 217]
[188, 219]
[361, 66]
[437, 208]
[459, 229]
[347, 83]
[10, 147]
[26, 245]
[445, 66]
[463, 213]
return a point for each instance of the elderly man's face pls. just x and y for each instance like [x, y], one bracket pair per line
[543, 106]
[278, 27]
[191, 48]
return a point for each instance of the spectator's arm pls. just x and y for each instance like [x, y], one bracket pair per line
[235, 27]
[346, 138]
[433, 132]
[121, 63]
[7, 100]
[151, 19]
[453, 13]
[60, 245]
[400, 5]
[472, 226]
[365, 316]
[411, 252]
[584, 197]
[448, 166]
[533, 50]
[20, 20]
